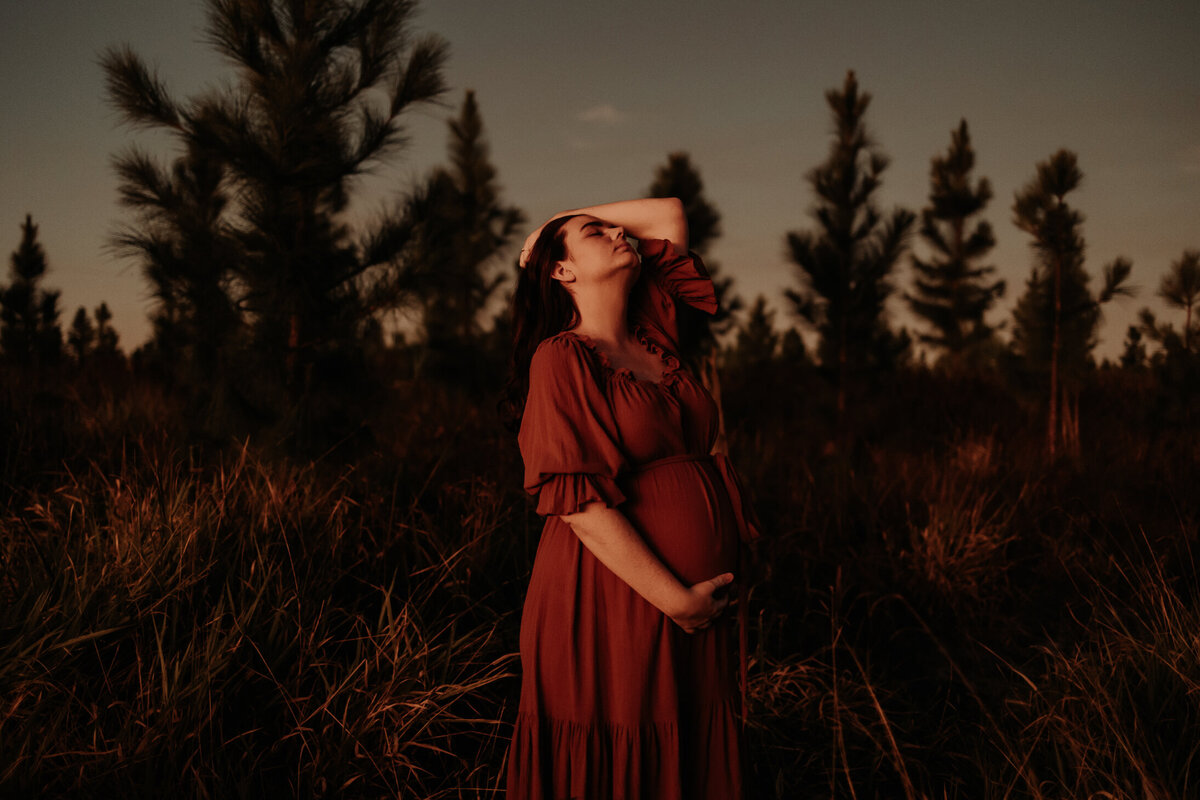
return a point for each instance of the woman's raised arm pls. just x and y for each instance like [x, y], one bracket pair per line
[643, 218]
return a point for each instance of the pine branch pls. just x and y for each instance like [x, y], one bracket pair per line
[421, 79]
[137, 93]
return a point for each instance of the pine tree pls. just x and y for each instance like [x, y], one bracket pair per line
[845, 262]
[460, 230]
[791, 348]
[29, 317]
[317, 100]
[1176, 369]
[953, 292]
[1056, 320]
[20, 314]
[1181, 289]
[81, 338]
[757, 341]
[679, 178]
[50, 338]
[184, 238]
[1133, 356]
[106, 336]
[18, 322]
[462, 227]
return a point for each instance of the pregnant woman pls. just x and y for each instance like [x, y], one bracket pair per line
[629, 659]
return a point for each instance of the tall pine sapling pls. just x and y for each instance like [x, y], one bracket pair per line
[461, 228]
[81, 337]
[952, 290]
[846, 260]
[1181, 289]
[29, 316]
[1056, 320]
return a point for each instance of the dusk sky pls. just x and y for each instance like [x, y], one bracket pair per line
[581, 101]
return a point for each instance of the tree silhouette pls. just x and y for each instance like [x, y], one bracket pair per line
[953, 291]
[106, 337]
[1056, 320]
[108, 352]
[50, 338]
[679, 178]
[846, 261]
[319, 91]
[1176, 369]
[460, 229]
[81, 337]
[184, 238]
[29, 316]
[757, 341]
[1181, 289]
[1133, 356]
[791, 348]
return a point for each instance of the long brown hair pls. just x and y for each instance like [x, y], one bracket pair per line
[541, 307]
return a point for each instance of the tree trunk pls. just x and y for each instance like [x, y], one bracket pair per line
[841, 388]
[1052, 421]
[1187, 330]
[293, 348]
[1070, 422]
[1075, 424]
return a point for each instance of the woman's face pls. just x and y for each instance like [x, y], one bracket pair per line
[597, 251]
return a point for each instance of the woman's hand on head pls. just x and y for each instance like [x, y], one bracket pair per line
[533, 237]
[705, 601]
[529, 240]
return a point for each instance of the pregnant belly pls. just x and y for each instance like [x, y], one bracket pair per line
[684, 512]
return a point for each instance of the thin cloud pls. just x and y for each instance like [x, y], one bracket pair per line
[603, 114]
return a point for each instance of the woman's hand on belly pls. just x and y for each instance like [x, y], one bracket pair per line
[706, 600]
[614, 541]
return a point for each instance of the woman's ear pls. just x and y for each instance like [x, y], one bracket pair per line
[561, 273]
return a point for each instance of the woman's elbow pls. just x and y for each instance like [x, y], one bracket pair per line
[674, 207]
[674, 224]
[675, 214]
[582, 521]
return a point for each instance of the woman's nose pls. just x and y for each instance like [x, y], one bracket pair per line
[616, 232]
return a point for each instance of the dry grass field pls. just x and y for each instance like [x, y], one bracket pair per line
[936, 611]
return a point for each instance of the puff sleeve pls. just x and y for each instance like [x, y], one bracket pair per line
[568, 436]
[669, 278]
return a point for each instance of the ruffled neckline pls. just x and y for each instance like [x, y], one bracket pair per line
[669, 362]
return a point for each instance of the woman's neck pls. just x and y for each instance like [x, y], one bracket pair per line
[603, 314]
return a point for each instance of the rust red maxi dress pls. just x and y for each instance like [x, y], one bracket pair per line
[617, 701]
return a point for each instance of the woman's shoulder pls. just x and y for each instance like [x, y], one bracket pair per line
[566, 362]
[563, 349]
[563, 343]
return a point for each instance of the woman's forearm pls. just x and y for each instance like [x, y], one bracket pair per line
[644, 218]
[612, 539]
